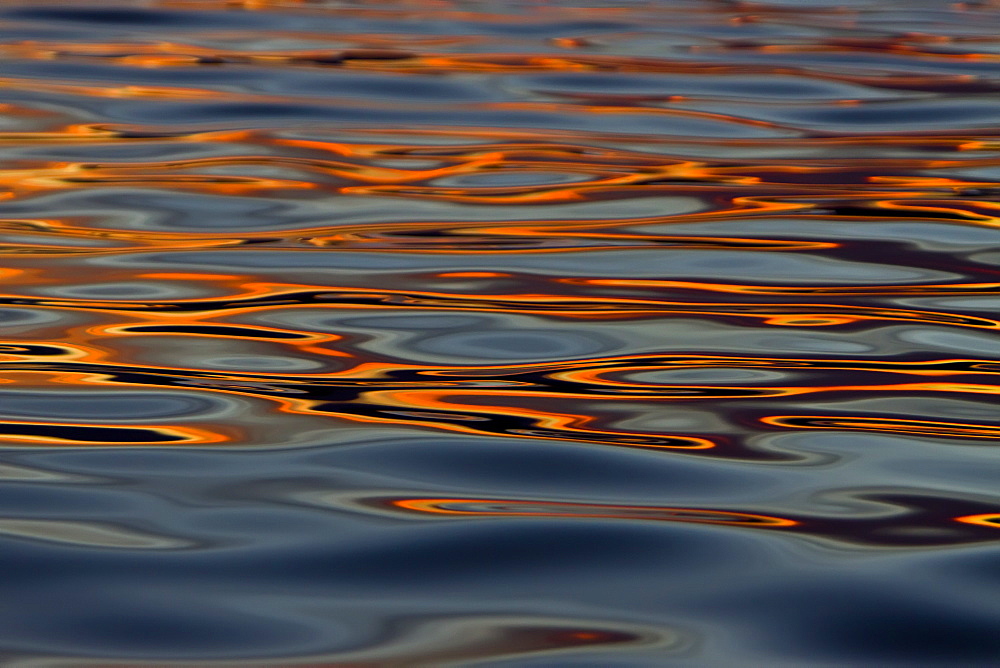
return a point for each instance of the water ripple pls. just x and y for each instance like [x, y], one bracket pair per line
[520, 334]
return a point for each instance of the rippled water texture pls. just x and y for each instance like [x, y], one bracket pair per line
[499, 333]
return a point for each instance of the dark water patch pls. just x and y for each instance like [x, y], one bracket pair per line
[102, 18]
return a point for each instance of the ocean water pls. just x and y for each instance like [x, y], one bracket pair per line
[521, 333]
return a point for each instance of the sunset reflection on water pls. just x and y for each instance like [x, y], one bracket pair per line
[548, 333]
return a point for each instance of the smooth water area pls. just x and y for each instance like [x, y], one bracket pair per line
[549, 333]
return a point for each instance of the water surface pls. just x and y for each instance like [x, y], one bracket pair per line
[525, 333]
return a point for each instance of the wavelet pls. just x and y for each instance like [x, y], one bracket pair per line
[437, 333]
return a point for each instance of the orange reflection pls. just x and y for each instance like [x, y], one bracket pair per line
[576, 192]
[518, 508]
[97, 435]
[888, 425]
[986, 519]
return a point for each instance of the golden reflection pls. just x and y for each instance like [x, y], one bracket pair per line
[906, 521]
[248, 297]
[89, 434]
[986, 519]
[511, 508]
[494, 194]
[887, 425]
[500, 265]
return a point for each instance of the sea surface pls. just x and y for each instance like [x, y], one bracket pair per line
[499, 333]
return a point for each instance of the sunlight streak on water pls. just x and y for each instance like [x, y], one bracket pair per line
[548, 333]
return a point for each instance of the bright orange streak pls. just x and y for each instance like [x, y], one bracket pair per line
[802, 314]
[731, 288]
[435, 400]
[255, 333]
[889, 425]
[180, 435]
[519, 508]
[991, 520]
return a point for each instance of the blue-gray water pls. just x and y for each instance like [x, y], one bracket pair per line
[452, 333]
